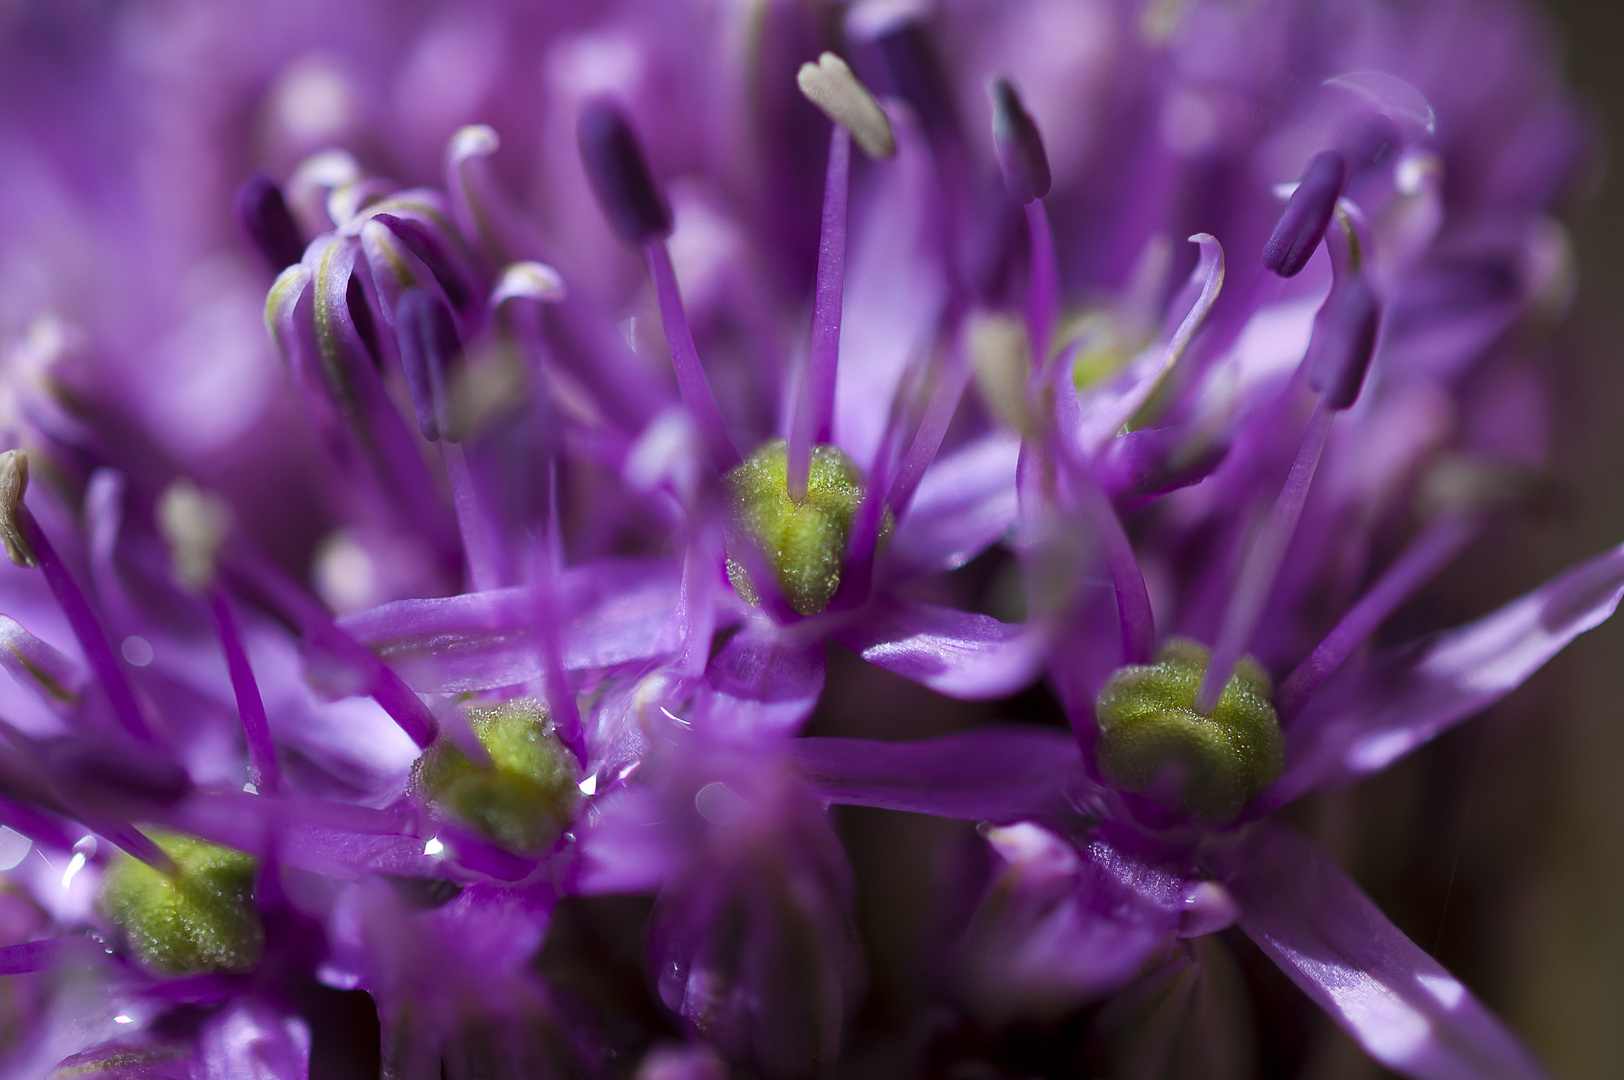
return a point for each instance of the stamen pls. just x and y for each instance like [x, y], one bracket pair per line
[1262, 566]
[1042, 283]
[620, 175]
[691, 381]
[27, 545]
[830, 85]
[265, 220]
[814, 412]
[193, 523]
[378, 680]
[1302, 224]
[429, 348]
[1428, 554]
[1021, 157]
[256, 727]
[1344, 338]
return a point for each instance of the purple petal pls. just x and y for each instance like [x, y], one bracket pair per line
[1060, 926]
[617, 610]
[1412, 695]
[762, 681]
[964, 504]
[1000, 773]
[249, 1039]
[957, 653]
[1395, 1000]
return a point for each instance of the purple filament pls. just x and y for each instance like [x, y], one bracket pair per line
[691, 381]
[1428, 554]
[1138, 622]
[50, 954]
[380, 682]
[86, 627]
[256, 726]
[1262, 565]
[814, 412]
[479, 550]
[1043, 284]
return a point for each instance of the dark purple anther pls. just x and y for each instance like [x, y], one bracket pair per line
[620, 175]
[263, 216]
[1344, 341]
[429, 348]
[1021, 157]
[1302, 224]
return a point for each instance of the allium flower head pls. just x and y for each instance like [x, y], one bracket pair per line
[616, 429]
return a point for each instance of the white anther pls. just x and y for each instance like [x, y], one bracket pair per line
[13, 483]
[193, 523]
[830, 85]
[475, 140]
[1002, 358]
[529, 281]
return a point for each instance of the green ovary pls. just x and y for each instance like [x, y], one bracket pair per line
[528, 795]
[804, 541]
[199, 920]
[1152, 738]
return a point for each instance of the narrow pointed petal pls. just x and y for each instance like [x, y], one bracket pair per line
[616, 611]
[1003, 773]
[760, 683]
[1396, 1001]
[964, 504]
[957, 653]
[1412, 695]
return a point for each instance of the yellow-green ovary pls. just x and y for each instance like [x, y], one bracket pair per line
[201, 919]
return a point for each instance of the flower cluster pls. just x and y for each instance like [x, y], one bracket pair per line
[608, 482]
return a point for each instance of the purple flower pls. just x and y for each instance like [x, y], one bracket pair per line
[597, 457]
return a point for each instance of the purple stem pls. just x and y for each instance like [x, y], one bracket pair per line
[696, 389]
[256, 727]
[86, 627]
[1043, 284]
[815, 411]
[478, 550]
[1428, 554]
[33, 824]
[290, 600]
[1262, 563]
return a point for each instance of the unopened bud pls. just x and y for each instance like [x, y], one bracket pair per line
[831, 86]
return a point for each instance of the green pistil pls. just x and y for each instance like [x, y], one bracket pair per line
[200, 920]
[1152, 738]
[804, 541]
[528, 795]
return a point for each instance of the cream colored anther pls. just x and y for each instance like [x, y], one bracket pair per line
[830, 85]
[193, 523]
[13, 483]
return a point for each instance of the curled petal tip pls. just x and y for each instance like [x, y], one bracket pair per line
[831, 86]
[620, 175]
[529, 281]
[1303, 222]
[1021, 157]
[13, 483]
